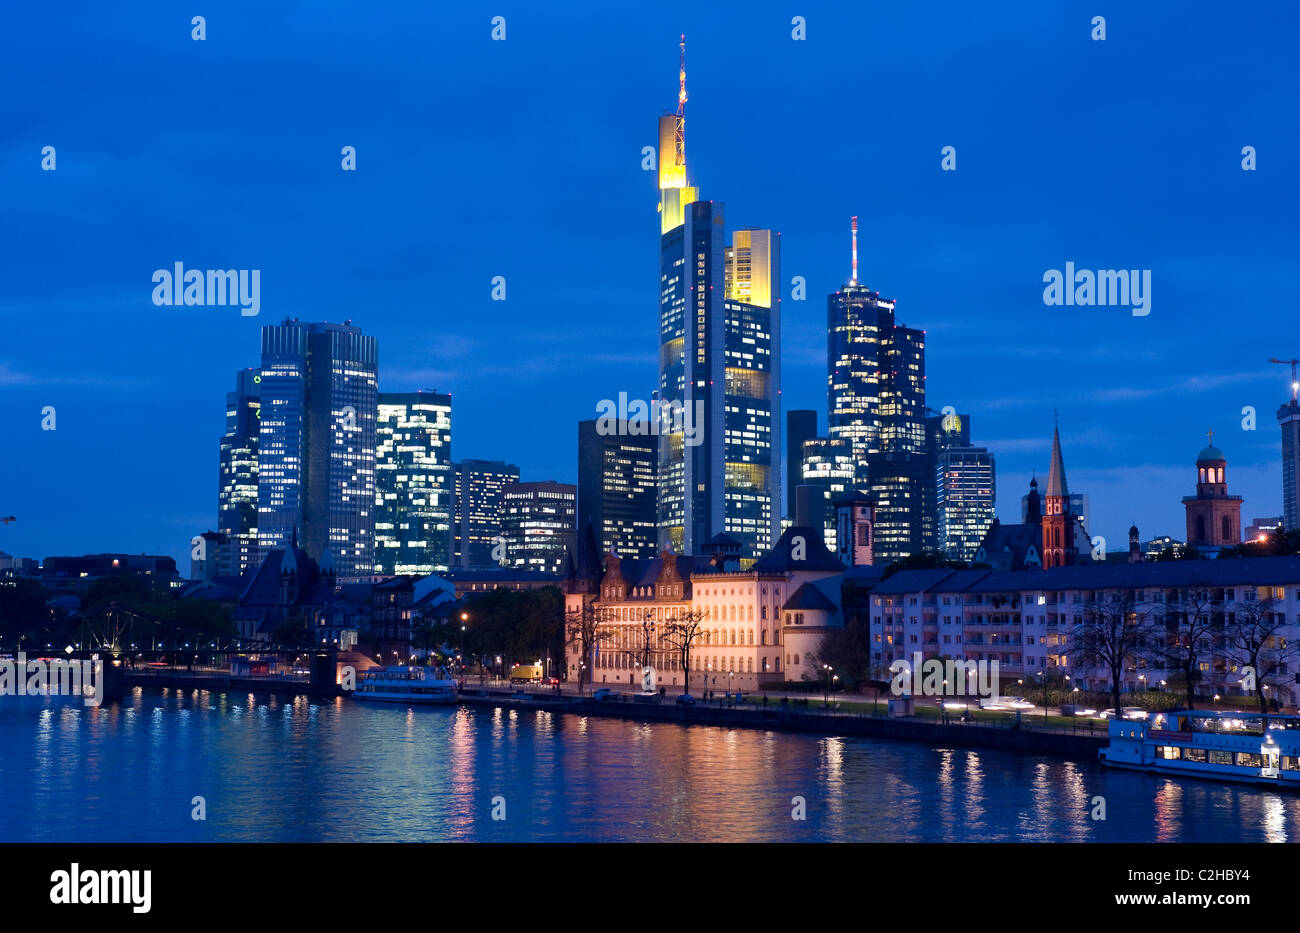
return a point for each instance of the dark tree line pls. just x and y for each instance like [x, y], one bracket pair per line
[518, 626]
[124, 608]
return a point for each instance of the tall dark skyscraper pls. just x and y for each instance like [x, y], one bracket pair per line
[800, 426]
[238, 473]
[414, 483]
[616, 489]
[479, 509]
[1288, 417]
[876, 402]
[316, 444]
[719, 345]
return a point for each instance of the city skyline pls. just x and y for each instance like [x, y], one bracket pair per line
[1134, 402]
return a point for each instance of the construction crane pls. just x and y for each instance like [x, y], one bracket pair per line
[1295, 386]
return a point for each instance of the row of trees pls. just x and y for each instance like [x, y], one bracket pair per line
[518, 626]
[121, 610]
[1117, 633]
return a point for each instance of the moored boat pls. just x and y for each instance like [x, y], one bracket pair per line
[403, 684]
[1215, 744]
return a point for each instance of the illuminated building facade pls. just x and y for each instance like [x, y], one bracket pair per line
[316, 442]
[479, 507]
[538, 522]
[414, 483]
[965, 483]
[719, 327]
[617, 489]
[742, 643]
[237, 478]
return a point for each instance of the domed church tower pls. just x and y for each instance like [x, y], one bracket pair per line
[1213, 516]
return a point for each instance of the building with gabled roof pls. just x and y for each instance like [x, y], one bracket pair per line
[742, 645]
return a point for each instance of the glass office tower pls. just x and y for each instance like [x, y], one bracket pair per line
[965, 498]
[876, 403]
[414, 483]
[616, 488]
[237, 474]
[480, 506]
[316, 475]
[719, 351]
[538, 522]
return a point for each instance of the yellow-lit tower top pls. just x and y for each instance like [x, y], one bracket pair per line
[674, 193]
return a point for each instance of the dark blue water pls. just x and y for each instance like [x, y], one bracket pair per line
[275, 769]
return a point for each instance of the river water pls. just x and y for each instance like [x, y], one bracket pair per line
[289, 769]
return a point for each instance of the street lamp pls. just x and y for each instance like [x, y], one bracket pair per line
[464, 617]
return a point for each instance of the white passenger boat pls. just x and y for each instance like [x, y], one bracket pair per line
[1216, 744]
[402, 684]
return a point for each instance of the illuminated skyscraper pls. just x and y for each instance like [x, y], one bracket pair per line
[828, 466]
[538, 522]
[414, 483]
[479, 508]
[719, 342]
[616, 489]
[237, 475]
[876, 402]
[965, 488]
[316, 443]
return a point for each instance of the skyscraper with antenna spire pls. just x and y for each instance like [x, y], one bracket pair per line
[876, 402]
[720, 363]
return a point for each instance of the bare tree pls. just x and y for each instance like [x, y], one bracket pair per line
[680, 633]
[648, 626]
[584, 629]
[1188, 621]
[1255, 645]
[1113, 631]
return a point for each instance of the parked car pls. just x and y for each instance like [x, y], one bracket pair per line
[603, 693]
[686, 700]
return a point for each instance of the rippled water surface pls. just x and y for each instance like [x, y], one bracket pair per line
[274, 769]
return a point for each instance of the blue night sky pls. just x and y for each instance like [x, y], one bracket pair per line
[522, 158]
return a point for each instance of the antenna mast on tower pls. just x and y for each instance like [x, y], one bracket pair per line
[680, 153]
[853, 227]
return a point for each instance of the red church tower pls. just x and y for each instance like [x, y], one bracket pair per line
[1058, 524]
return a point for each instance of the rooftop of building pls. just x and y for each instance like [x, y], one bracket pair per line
[800, 548]
[488, 574]
[1223, 572]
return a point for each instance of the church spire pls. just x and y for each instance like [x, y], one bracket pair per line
[1056, 485]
